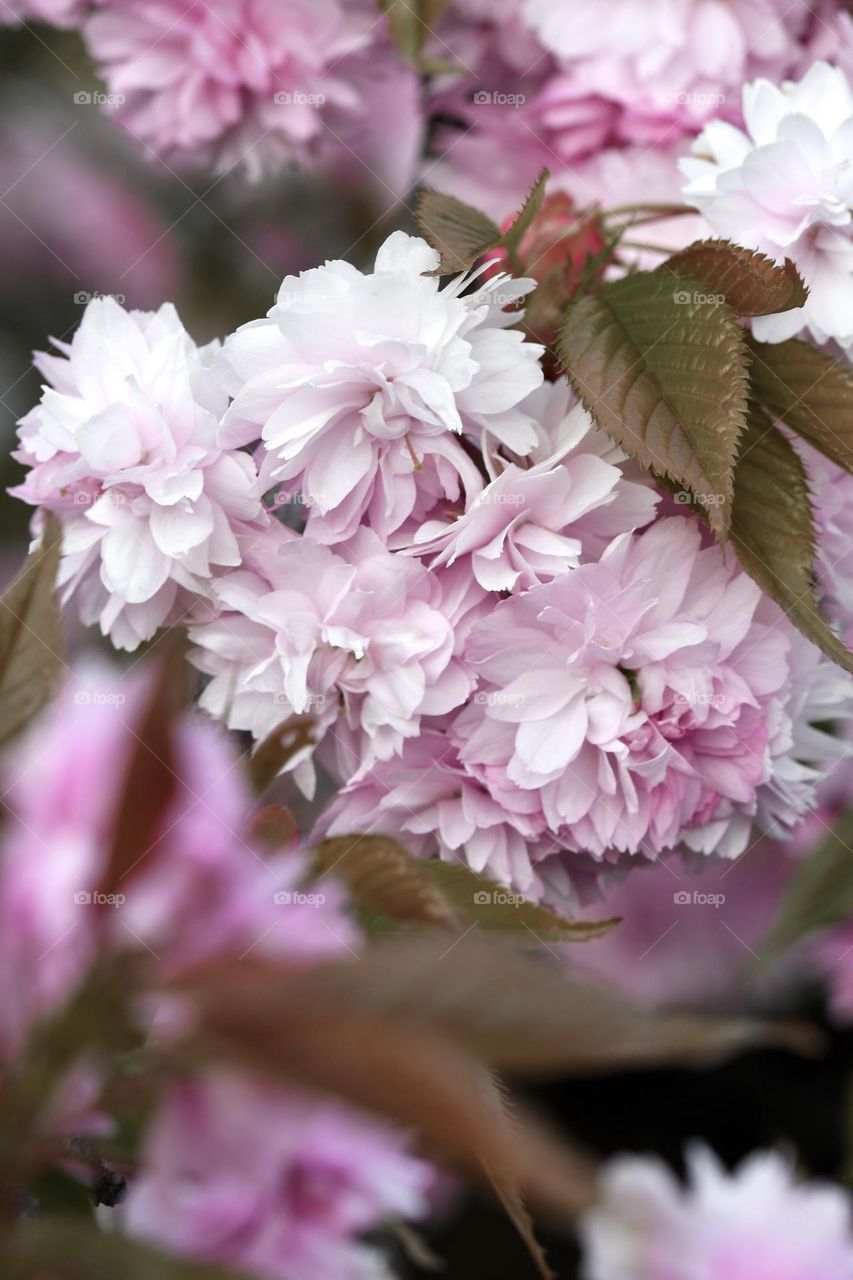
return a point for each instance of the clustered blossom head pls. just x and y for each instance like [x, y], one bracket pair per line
[234, 1170]
[362, 387]
[783, 185]
[251, 82]
[755, 1222]
[361, 638]
[641, 701]
[123, 448]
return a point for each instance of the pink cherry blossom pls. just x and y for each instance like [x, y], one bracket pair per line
[427, 799]
[123, 448]
[277, 1183]
[251, 82]
[530, 525]
[357, 637]
[648, 700]
[783, 185]
[360, 386]
[757, 1221]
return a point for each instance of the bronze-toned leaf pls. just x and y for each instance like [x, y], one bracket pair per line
[31, 645]
[773, 530]
[663, 371]
[284, 743]
[752, 284]
[274, 828]
[459, 232]
[151, 782]
[810, 391]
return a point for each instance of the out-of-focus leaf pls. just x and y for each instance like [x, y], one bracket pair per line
[511, 238]
[514, 1012]
[70, 1249]
[31, 645]
[279, 748]
[408, 1072]
[493, 907]
[385, 880]
[810, 391]
[773, 530]
[663, 370]
[820, 893]
[151, 782]
[752, 284]
[411, 23]
[274, 828]
[459, 232]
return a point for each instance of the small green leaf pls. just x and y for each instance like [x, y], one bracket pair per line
[512, 237]
[821, 892]
[663, 371]
[773, 530]
[810, 391]
[752, 284]
[411, 23]
[31, 644]
[460, 233]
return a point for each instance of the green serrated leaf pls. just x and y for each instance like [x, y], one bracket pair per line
[460, 233]
[31, 644]
[773, 530]
[810, 391]
[663, 372]
[512, 237]
[820, 894]
[492, 906]
[752, 284]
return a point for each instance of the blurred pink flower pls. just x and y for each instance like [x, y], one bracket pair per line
[249, 82]
[202, 890]
[59, 13]
[123, 447]
[752, 1223]
[278, 1183]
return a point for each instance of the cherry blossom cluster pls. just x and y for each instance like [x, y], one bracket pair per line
[369, 509]
[233, 1170]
